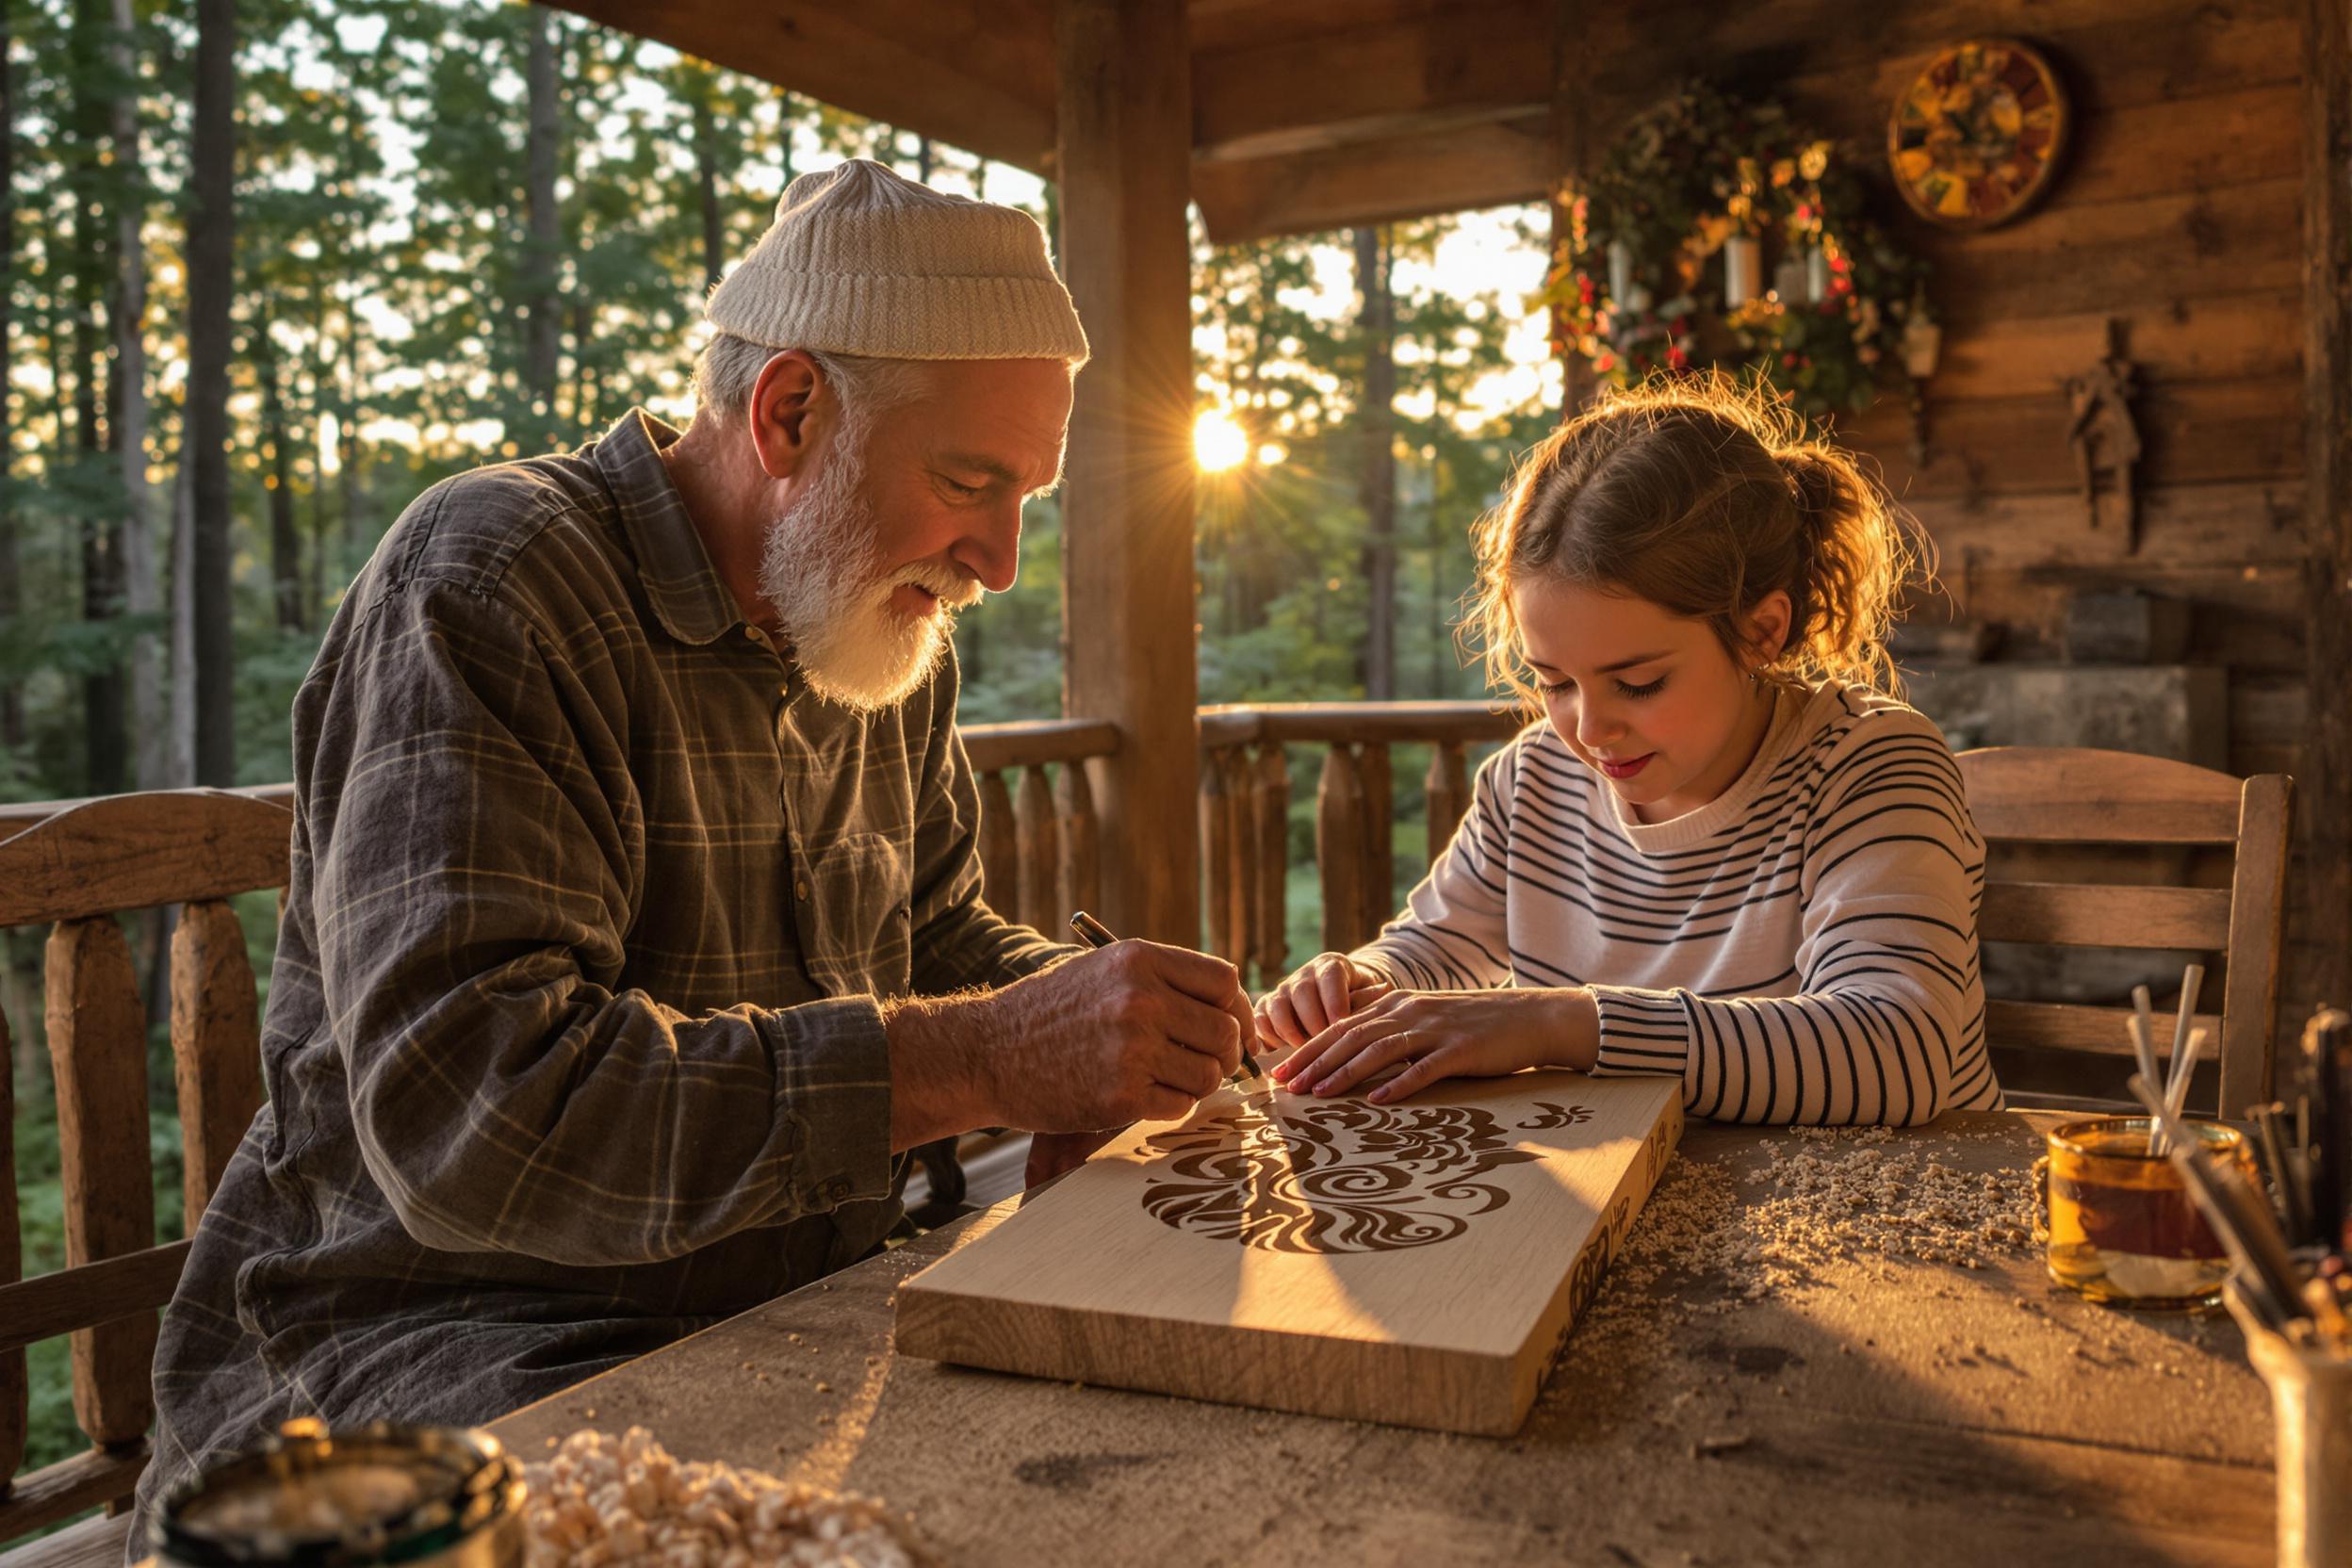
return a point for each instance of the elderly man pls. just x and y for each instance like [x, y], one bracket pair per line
[636, 924]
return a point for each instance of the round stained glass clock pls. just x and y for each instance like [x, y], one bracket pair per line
[1975, 138]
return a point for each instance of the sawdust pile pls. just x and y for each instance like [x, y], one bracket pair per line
[598, 1502]
[1836, 1193]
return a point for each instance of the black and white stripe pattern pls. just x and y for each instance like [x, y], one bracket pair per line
[1802, 950]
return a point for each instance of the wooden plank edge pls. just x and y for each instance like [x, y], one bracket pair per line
[53, 1304]
[62, 1490]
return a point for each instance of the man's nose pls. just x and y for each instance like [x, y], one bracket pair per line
[990, 550]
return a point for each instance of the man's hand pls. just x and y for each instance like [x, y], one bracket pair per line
[1131, 1032]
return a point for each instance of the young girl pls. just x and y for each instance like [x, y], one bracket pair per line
[1727, 853]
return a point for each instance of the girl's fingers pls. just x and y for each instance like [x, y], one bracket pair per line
[1422, 1071]
[1330, 983]
[1374, 1052]
[1288, 1026]
[1305, 994]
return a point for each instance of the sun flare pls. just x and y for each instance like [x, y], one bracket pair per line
[1217, 442]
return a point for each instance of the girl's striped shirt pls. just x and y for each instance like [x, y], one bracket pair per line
[1802, 950]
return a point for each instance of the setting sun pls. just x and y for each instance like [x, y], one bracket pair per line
[1217, 442]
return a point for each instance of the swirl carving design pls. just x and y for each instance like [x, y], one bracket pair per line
[1338, 1176]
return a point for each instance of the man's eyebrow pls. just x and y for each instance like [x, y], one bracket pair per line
[979, 463]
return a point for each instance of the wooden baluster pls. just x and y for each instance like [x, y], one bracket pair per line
[1380, 857]
[1034, 813]
[1242, 854]
[15, 1393]
[1000, 852]
[1216, 857]
[1081, 833]
[1339, 846]
[1270, 797]
[1448, 790]
[98, 1046]
[216, 1044]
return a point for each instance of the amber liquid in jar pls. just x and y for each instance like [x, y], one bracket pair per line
[2122, 1226]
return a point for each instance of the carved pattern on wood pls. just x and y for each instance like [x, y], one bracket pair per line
[1343, 1176]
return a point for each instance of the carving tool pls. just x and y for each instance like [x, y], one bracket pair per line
[1095, 934]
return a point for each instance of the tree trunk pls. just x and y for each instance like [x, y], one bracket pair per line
[11, 584]
[183, 708]
[545, 241]
[707, 178]
[211, 281]
[143, 576]
[1378, 479]
[923, 160]
[286, 545]
[105, 737]
[787, 116]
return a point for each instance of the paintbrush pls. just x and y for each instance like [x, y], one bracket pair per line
[2192, 981]
[1095, 934]
[2239, 1216]
[2142, 1028]
[2288, 1168]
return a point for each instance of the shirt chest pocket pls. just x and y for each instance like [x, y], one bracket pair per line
[853, 900]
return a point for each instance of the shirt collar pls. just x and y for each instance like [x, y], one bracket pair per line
[688, 598]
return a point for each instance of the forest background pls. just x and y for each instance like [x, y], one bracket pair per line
[273, 267]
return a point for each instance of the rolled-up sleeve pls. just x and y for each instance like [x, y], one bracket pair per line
[473, 887]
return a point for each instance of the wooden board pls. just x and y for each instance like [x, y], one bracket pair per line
[1420, 1265]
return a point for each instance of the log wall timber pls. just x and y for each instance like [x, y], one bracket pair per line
[1125, 161]
[2327, 120]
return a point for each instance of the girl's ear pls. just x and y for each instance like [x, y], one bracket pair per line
[1767, 625]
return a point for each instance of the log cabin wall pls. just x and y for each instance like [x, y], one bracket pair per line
[2180, 212]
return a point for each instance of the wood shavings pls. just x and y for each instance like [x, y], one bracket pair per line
[602, 1502]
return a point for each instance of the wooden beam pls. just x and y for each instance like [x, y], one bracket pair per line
[2328, 467]
[1448, 66]
[1459, 170]
[1124, 160]
[978, 74]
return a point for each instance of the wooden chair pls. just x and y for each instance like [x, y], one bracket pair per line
[2107, 807]
[76, 871]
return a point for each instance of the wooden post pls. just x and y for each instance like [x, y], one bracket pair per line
[1123, 159]
[2328, 461]
[1448, 788]
[15, 1393]
[1271, 798]
[1572, 139]
[98, 1046]
[1081, 838]
[1000, 847]
[1339, 847]
[1242, 857]
[1379, 846]
[1032, 812]
[1216, 853]
[216, 1044]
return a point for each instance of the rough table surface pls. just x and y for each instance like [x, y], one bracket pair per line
[1735, 1396]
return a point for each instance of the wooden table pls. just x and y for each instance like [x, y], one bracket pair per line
[1883, 1411]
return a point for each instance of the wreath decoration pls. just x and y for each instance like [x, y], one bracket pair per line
[1639, 283]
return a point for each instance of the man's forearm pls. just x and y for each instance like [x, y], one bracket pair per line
[941, 1083]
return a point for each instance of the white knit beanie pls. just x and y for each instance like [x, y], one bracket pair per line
[862, 261]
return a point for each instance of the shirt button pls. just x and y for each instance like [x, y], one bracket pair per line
[801, 889]
[754, 634]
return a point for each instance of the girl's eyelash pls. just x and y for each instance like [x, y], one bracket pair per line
[1555, 688]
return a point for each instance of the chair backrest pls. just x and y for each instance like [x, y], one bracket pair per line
[75, 872]
[2034, 802]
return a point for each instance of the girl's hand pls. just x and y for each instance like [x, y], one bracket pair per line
[1447, 1034]
[1319, 993]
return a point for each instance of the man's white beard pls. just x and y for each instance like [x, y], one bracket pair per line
[821, 569]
